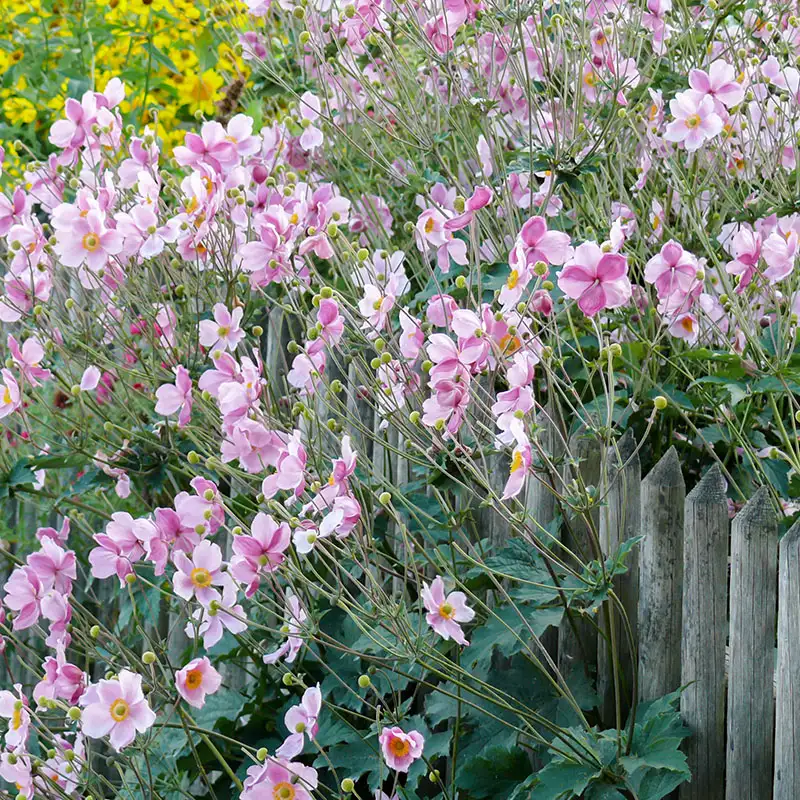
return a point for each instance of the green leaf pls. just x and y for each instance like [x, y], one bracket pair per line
[225, 704]
[563, 780]
[495, 773]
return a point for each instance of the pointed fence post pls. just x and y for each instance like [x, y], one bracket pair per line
[705, 628]
[620, 520]
[661, 578]
[787, 698]
[753, 601]
[584, 448]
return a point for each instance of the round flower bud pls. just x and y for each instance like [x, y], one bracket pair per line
[74, 713]
[375, 363]
[193, 457]
[548, 286]
[288, 679]
[326, 292]
[414, 417]
[385, 498]
[348, 785]
[94, 631]
[362, 254]
[68, 303]
[461, 282]
[616, 350]
[660, 402]
[262, 754]
[75, 390]
[364, 681]
[257, 330]
[304, 37]
[148, 657]
[130, 578]
[386, 358]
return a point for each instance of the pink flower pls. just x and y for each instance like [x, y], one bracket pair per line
[329, 321]
[400, 749]
[445, 612]
[597, 280]
[301, 719]
[197, 575]
[696, 120]
[672, 270]
[719, 83]
[294, 619]
[279, 779]
[521, 460]
[117, 707]
[223, 332]
[411, 336]
[176, 397]
[10, 397]
[212, 623]
[685, 326]
[309, 112]
[24, 593]
[197, 679]
[55, 567]
[27, 359]
[290, 469]
[86, 240]
[61, 680]
[260, 553]
[780, 252]
[211, 146]
[90, 378]
[14, 707]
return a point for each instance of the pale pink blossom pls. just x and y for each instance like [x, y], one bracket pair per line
[176, 397]
[116, 708]
[400, 749]
[446, 611]
[696, 120]
[197, 575]
[261, 552]
[197, 679]
[223, 332]
[597, 280]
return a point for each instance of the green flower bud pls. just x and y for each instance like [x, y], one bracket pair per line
[262, 754]
[74, 713]
[148, 657]
[660, 402]
[385, 498]
[364, 681]
[348, 785]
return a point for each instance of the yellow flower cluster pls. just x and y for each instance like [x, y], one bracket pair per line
[176, 57]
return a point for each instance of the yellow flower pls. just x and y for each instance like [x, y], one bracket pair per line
[200, 92]
[18, 110]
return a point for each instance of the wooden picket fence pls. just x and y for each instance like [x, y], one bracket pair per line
[712, 631]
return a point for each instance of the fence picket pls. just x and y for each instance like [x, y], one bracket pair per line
[787, 701]
[753, 601]
[661, 578]
[620, 520]
[705, 627]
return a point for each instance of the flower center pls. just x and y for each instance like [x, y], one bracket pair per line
[513, 279]
[429, 223]
[283, 791]
[447, 611]
[590, 79]
[510, 344]
[119, 710]
[687, 323]
[194, 678]
[400, 747]
[16, 719]
[201, 577]
[516, 462]
[91, 242]
[222, 331]
[7, 395]
[693, 121]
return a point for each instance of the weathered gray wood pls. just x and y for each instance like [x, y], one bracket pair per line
[620, 520]
[705, 628]
[661, 578]
[753, 601]
[360, 415]
[787, 700]
[585, 453]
